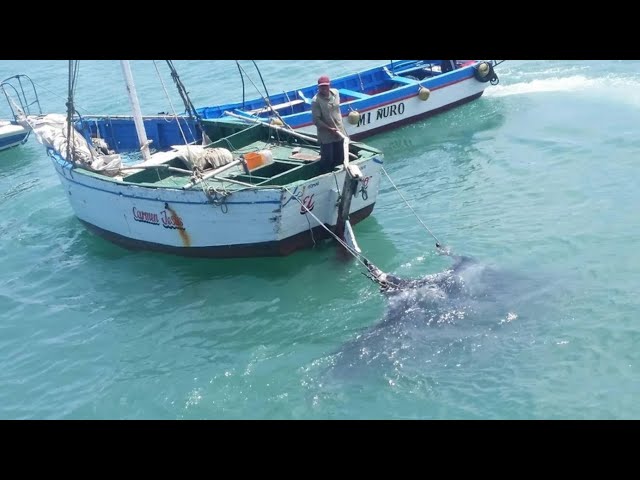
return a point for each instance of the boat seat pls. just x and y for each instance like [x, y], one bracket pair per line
[304, 99]
[406, 81]
[399, 79]
[353, 93]
[279, 106]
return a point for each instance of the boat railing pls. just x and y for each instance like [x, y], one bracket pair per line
[24, 103]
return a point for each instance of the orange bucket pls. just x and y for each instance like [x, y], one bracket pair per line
[258, 159]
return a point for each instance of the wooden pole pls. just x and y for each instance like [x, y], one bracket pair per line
[135, 107]
[348, 190]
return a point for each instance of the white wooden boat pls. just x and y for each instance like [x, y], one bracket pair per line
[251, 191]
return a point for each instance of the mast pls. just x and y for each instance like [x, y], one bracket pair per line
[135, 107]
[188, 105]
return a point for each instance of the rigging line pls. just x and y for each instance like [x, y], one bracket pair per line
[60, 96]
[181, 90]
[69, 108]
[438, 245]
[191, 110]
[266, 100]
[73, 79]
[172, 107]
[242, 80]
[261, 79]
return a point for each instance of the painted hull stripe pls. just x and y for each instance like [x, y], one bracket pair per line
[418, 115]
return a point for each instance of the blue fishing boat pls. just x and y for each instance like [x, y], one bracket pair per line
[372, 100]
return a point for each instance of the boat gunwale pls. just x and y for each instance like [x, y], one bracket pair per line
[63, 164]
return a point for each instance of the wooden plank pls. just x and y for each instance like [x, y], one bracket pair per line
[406, 81]
[353, 93]
[309, 157]
[280, 106]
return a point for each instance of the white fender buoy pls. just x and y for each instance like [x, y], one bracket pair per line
[483, 72]
[423, 93]
[354, 117]
[276, 121]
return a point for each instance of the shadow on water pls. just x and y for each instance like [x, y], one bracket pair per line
[324, 255]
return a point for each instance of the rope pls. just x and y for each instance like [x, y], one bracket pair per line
[74, 68]
[266, 100]
[60, 96]
[242, 80]
[191, 110]
[214, 198]
[335, 178]
[438, 245]
[261, 79]
[175, 114]
[364, 261]
[355, 254]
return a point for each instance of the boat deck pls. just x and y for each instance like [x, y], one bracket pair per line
[289, 165]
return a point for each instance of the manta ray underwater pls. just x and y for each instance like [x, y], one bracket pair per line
[446, 318]
[430, 322]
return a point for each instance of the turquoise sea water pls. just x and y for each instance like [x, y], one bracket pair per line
[536, 180]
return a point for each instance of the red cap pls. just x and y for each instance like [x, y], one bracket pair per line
[323, 80]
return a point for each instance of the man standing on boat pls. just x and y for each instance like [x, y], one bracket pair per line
[325, 109]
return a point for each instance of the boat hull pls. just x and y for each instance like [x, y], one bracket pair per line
[281, 248]
[359, 135]
[12, 135]
[252, 222]
[403, 108]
